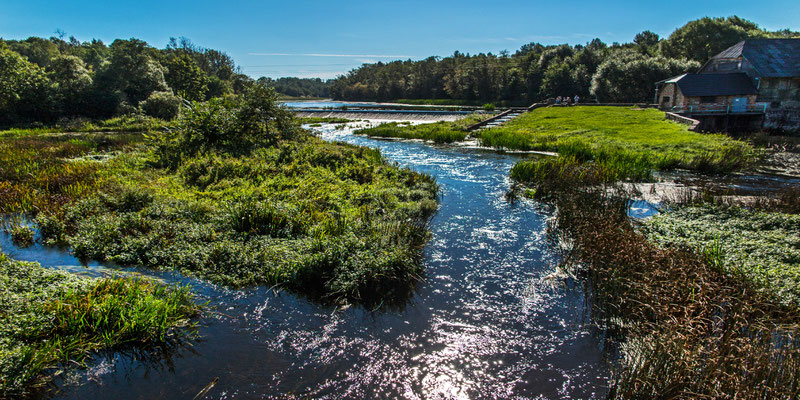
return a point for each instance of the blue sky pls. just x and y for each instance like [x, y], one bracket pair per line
[324, 38]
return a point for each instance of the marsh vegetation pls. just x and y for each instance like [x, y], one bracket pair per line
[701, 297]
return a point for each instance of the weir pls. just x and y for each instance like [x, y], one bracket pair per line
[391, 115]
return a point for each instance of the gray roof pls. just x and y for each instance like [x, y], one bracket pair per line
[772, 58]
[737, 83]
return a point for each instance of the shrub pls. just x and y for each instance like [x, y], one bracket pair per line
[163, 105]
[235, 125]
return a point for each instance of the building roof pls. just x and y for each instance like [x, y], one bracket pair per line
[772, 58]
[732, 84]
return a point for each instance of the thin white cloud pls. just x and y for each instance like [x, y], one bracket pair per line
[331, 55]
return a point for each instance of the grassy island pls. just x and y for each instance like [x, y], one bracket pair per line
[237, 194]
[439, 132]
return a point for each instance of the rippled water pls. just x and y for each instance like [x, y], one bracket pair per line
[486, 322]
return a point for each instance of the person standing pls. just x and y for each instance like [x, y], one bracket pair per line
[576, 99]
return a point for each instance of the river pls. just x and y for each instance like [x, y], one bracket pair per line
[485, 322]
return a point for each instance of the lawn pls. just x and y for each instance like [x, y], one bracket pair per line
[620, 135]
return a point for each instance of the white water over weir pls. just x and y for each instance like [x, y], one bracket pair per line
[389, 115]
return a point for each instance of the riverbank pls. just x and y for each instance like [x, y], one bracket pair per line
[438, 132]
[686, 293]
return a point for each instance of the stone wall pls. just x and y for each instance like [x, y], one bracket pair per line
[784, 117]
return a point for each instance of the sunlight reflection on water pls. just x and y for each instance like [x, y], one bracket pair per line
[487, 322]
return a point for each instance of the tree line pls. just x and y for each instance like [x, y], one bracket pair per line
[298, 87]
[45, 80]
[608, 73]
[48, 80]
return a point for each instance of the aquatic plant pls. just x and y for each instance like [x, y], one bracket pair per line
[52, 320]
[21, 235]
[761, 246]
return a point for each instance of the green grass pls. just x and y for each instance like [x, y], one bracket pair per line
[760, 246]
[42, 172]
[52, 320]
[332, 221]
[439, 132]
[620, 137]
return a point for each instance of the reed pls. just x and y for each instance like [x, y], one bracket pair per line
[689, 327]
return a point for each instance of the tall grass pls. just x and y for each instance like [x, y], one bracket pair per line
[51, 320]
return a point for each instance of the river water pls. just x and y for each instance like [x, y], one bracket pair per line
[485, 323]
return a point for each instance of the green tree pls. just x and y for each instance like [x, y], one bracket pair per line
[186, 78]
[132, 72]
[37, 50]
[647, 42]
[164, 105]
[701, 39]
[630, 77]
[558, 81]
[71, 82]
[25, 93]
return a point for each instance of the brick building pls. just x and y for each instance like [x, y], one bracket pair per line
[752, 84]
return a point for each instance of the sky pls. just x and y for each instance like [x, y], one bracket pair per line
[328, 38]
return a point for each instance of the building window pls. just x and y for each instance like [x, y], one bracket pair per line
[708, 100]
[665, 100]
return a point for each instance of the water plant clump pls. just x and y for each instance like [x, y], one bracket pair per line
[761, 246]
[51, 320]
